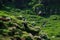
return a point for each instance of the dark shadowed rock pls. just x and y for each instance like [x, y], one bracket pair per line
[28, 38]
[4, 18]
[12, 32]
[15, 38]
[2, 25]
[44, 36]
[16, 25]
[33, 31]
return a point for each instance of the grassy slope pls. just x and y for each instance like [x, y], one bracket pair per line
[52, 25]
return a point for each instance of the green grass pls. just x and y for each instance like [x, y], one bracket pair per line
[52, 25]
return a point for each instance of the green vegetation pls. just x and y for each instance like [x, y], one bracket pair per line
[29, 20]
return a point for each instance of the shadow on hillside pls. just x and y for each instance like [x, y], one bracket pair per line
[48, 15]
[45, 13]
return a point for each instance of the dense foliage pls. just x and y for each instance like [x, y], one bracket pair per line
[29, 20]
